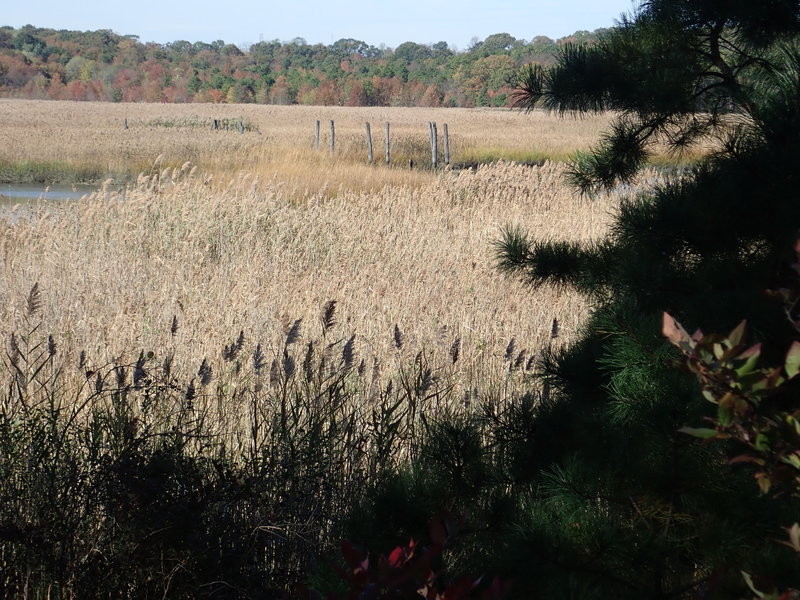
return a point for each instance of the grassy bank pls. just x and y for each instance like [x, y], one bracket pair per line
[52, 172]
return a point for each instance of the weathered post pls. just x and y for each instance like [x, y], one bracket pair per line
[316, 135]
[369, 143]
[434, 146]
[388, 145]
[214, 125]
[446, 146]
[333, 136]
[241, 126]
[125, 126]
[430, 138]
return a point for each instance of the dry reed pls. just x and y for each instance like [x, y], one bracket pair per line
[116, 267]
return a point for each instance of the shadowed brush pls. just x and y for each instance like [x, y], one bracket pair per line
[328, 316]
[398, 337]
[510, 349]
[204, 373]
[308, 362]
[348, 352]
[34, 303]
[455, 350]
[259, 360]
[294, 333]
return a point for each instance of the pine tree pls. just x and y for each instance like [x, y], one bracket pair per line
[622, 505]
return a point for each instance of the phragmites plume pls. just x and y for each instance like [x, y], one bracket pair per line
[274, 372]
[121, 375]
[98, 384]
[294, 333]
[455, 350]
[51, 346]
[204, 373]
[34, 303]
[512, 345]
[139, 373]
[362, 367]
[231, 351]
[82, 360]
[167, 366]
[259, 361]
[13, 349]
[308, 362]
[520, 360]
[348, 352]
[529, 366]
[328, 316]
[191, 394]
[398, 337]
[288, 364]
[554, 329]
[426, 380]
[173, 330]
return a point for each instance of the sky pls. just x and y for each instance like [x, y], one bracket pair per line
[389, 22]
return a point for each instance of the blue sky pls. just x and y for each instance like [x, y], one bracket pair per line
[390, 22]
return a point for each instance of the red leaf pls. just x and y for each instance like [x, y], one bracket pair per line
[397, 558]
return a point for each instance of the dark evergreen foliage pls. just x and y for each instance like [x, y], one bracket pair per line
[624, 506]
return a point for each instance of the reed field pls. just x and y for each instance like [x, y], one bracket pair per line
[227, 350]
[73, 141]
[114, 268]
[231, 232]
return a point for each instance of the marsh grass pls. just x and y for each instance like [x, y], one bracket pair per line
[125, 479]
[278, 139]
[221, 356]
[252, 255]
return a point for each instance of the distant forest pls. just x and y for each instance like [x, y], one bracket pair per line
[102, 65]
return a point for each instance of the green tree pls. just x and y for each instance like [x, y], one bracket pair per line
[623, 504]
[409, 52]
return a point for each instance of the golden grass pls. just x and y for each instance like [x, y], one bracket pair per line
[88, 137]
[115, 268]
[263, 230]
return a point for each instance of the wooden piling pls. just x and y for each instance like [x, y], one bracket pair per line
[446, 146]
[316, 135]
[369, 144]
[388, 145]
[434, 145]
[333, 136]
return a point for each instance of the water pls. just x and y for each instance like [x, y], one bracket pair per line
[22, 193]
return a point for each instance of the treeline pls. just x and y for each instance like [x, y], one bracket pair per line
[102, 65]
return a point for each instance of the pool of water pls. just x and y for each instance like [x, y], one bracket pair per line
[15, 193]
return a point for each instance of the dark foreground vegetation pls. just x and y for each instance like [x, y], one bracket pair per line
[102, 65]
[621, 477]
